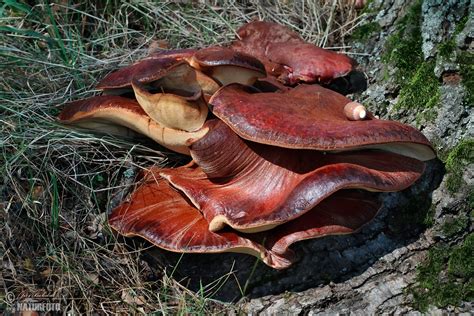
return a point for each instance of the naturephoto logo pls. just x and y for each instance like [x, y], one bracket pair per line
[32, 304]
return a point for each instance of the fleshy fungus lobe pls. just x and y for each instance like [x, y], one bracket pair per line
[287, 56]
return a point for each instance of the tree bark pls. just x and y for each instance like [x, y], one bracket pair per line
[371, 271]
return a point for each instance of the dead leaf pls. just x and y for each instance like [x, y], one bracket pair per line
[93, 277]
[46, 272]
[157, 45]
[130, 299]
[37, 192]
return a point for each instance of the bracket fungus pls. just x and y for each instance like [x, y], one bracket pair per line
[276, 157]
[160, 213]
[287, 56]
[253, 187]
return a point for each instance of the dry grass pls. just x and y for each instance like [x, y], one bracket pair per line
[58, 184]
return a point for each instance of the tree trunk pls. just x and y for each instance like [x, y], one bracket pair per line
[374, 270]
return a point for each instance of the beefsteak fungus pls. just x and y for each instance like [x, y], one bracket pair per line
[276, 157]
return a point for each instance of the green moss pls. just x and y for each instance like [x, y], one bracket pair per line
[455, 226]
[368, 10]
[421, 90]
[365, 31]
[457, 159]
[466, 65]
[464, 59]
[446, 278]
[460, 263]
[403, 48]
[470, 201]
[419, 87]
[447, 48]
[428, 221]
[461, 25]
[428, 278]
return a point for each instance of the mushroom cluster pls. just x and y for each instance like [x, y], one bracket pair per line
[278, 156]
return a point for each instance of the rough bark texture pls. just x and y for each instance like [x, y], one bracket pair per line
[370, 271]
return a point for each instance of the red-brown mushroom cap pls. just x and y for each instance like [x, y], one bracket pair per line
[311, 117]
[125, 112]
[163, 216]
[344, 212]
[147, 70]
[253, 187]
[222, 56]
[255, 37]
[160, 214]
[227, 66]
[309, 63]
[285, 54]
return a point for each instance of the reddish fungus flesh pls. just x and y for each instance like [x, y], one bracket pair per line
[286, 55]
[342, 213]
[222, 56]
[163, 216]
[253, 187]
[311, 117]
[147, 70]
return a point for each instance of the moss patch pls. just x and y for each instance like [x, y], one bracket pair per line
[464, 59]
[466, 65]
[365, 31]
[456, 161]
[447, 48]
[456, 225]
[419, 87]
[461, 259]
[403, 48]
[369, 8]
[421, 90]
[428, 221]
[446, 278]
